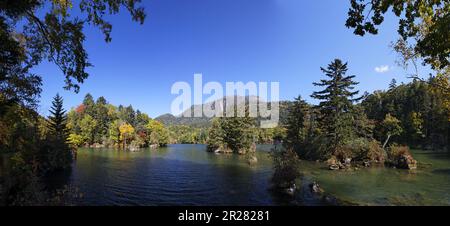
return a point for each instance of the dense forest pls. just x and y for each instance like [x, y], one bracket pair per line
[345, 128]
[379, 128]
[100, 124]
[32, 32]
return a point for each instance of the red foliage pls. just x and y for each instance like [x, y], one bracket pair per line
[142, 134]
[80, 109]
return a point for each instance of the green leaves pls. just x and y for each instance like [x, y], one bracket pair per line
[336, 104]
[88, 125]
[56, 36]
[237, 134]
[58, 119]
[296, 125]
[426, 23]
[391, 125]
[96, 10]
[158, 134]
[56, 148]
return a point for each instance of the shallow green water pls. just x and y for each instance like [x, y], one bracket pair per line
[188, 175]
[428, 185]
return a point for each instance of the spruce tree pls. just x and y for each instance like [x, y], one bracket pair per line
[56, 148]
[58, 119]
[336, 104]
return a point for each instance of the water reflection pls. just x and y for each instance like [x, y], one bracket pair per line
[176, 175]
[188, 175]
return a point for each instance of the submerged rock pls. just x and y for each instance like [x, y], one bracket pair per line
[284, 190]
[330, 200]
[223, 151]
[97, 145]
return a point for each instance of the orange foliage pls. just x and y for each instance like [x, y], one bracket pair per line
[80, 109]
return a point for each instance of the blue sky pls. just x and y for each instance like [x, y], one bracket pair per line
[284, 41]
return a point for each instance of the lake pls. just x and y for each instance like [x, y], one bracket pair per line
[188, 175]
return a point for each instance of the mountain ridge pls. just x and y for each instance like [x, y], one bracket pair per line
[241, 101]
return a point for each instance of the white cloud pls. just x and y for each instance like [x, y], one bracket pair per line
[382, 69]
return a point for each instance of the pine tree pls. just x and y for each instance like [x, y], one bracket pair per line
[336, 104]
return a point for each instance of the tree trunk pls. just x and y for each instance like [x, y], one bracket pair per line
[386, 142]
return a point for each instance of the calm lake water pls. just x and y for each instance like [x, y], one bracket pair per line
[175, 175]
[188, 175]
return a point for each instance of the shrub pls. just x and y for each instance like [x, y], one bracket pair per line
[76, 140]
[345, 152]
[375, 152]
[286, 168]
[400, 157]
[396, 151]
[363, 149]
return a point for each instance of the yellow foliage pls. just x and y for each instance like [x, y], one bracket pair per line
[125, 130]
[157, 132]
[75, 140]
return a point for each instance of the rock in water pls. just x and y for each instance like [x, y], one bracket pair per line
[333, 163]
[334, 167]
[406, 161]
[291, 190]
[315, 188]
[133, 148]
[348, 161]
[252, 160]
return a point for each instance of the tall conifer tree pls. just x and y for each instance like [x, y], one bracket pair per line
[336, 104]
[57, 149]
[58, 119]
